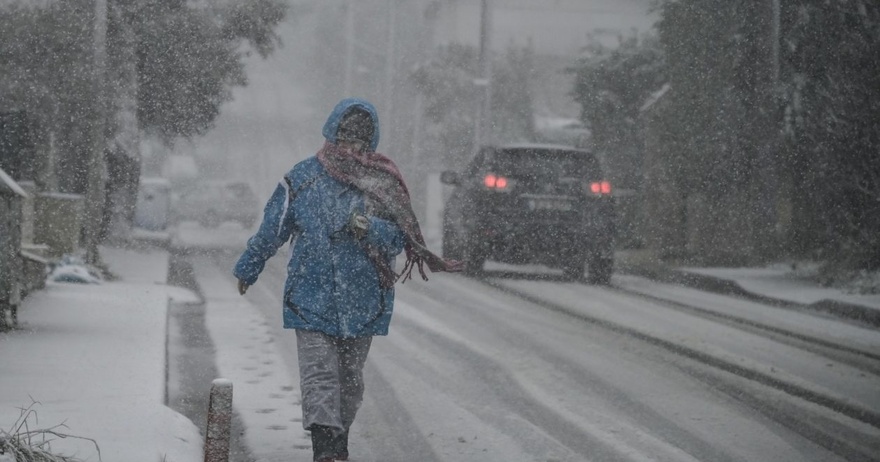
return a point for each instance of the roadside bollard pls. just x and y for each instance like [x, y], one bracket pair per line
[219, 421]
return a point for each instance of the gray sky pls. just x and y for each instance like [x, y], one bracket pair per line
[276, 120]
[553, 26]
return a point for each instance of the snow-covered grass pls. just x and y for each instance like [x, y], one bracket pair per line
[787, 282]
[856, 282]
[26, 441]
[93, 355]
[862, 282]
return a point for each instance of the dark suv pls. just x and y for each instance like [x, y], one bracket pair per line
[542, 204]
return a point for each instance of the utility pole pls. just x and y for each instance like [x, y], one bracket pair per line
[765, 238]
[390, 68]
[426, 29]
[96, 168]
[389, 57]
[482, 127]
[774, 37]
[349, 47]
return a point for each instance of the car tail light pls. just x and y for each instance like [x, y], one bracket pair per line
[602, 188]
[493, 181]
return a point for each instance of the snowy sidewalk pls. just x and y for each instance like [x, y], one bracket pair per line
[93, 358]
[262, 367]
[775, 284]
[266, 392]
[783, 284]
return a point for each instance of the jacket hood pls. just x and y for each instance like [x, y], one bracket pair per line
[332, 124]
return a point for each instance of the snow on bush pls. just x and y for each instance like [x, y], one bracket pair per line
[74, 269]
[865, 282]
[24, 444]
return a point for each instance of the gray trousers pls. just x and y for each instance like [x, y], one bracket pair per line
[331, 378]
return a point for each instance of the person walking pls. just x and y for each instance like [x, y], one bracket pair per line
[347, 213]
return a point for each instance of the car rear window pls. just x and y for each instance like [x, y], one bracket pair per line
[541, 163]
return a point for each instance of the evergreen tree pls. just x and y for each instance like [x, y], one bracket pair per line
[47, 55]
[447, 81]
[189, 59]
[831, 73]
[823, 186]
[721, 118]
[611, 85]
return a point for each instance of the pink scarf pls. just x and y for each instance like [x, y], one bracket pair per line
[378, 177]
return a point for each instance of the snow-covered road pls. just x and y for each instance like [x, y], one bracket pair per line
[517, 369]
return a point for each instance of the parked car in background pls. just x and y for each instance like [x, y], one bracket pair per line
[542, 204]
[153, 204]
[212, 203]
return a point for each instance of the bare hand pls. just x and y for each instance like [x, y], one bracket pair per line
[242, 287]
[359, 225]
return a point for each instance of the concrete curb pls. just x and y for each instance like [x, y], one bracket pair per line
[661, 273]
[859, 313]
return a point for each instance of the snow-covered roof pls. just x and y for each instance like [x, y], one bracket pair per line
[64, 196]
[155, 181]
[180, 167]
[31, 3]
[537, 146]
[558, 123]
[655, 97]
[9, 186]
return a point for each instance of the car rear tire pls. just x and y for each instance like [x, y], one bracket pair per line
[474, 258]
[600, 271]
[450, 245]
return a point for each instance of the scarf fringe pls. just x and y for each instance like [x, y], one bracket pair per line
[412, 262]
[378, 176]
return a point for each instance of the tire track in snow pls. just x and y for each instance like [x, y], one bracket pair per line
[790, 386]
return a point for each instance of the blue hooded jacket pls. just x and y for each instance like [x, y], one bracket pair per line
[332, 285]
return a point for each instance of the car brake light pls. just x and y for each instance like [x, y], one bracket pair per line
[600, 187]
[495, 182]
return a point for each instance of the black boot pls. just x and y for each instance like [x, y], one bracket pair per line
[322, 443]
[340, 446]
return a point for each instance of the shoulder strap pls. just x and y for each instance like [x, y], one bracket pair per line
[293, 192]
